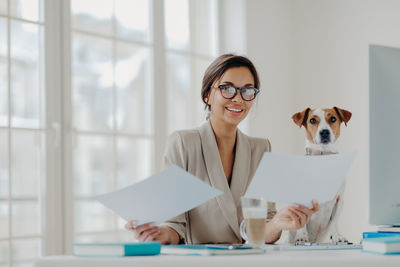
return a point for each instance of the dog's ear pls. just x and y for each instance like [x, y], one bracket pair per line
[300, 118]
[343, 114]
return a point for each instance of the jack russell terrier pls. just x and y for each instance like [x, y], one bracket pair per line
[322, 131]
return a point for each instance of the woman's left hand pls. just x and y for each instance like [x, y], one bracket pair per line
[294, 217]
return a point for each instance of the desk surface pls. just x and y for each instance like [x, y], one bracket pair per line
[330, 258]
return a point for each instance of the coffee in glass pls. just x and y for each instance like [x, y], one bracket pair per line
[252, 228]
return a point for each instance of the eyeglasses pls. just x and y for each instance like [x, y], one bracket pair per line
[230, 92]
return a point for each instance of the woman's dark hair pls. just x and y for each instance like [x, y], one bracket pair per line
[219, 66]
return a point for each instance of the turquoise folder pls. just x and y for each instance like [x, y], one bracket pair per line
[116, 249]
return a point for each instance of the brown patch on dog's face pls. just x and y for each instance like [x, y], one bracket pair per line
[309, 120]
[311, 125]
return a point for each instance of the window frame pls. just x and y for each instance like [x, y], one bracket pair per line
[55, 83]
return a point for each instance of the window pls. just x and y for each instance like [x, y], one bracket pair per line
[131, 74]
[22, 131]
[113, 95]
[190, 48]
[111, 98]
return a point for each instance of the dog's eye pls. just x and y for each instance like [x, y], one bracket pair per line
[332, 119]
[313, 121]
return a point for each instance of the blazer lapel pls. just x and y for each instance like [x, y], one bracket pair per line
[217, 177]
[241, 168]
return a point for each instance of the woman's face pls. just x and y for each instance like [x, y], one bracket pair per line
[231, 111]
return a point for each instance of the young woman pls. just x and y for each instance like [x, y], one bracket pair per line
[221, 155]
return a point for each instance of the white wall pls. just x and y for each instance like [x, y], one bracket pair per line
[232, 34]
[315, 53]
[270, 46]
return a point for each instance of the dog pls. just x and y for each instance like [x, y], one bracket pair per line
[322, 132]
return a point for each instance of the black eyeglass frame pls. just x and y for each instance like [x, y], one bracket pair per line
[222, 87]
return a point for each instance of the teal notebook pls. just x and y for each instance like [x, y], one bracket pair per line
[382, 245]
[210, 250]
[379, 234]
[116, 249]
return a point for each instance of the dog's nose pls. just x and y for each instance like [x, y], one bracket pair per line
[324, 133]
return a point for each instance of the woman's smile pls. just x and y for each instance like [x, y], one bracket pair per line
[234, 110]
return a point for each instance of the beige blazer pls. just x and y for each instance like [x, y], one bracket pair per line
[196, 151]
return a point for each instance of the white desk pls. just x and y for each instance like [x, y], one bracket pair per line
[330, 258]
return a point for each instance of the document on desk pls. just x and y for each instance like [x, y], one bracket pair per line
[159, 197]
[299, 179]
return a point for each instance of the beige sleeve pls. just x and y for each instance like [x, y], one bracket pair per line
[175, 155]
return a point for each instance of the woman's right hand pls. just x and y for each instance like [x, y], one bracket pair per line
[149, 232]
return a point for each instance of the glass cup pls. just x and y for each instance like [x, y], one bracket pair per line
[252, 228]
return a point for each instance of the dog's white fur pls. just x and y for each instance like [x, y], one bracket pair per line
[324, 223]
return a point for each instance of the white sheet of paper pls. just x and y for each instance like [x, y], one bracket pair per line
[299, 179]
[159, 197]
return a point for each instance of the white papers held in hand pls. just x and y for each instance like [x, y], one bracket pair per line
[159, 197]
[299, 179]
